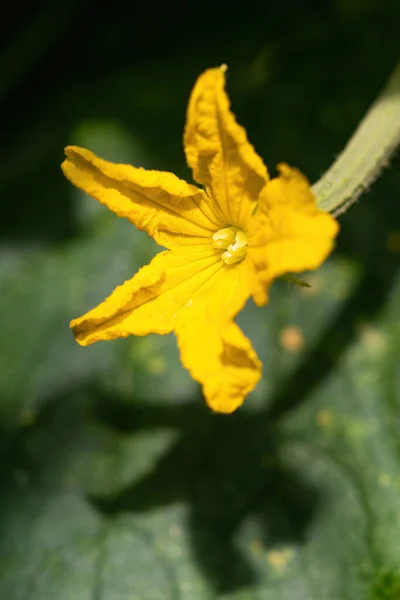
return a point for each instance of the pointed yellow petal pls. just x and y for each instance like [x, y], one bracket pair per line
[300, 235]
[120, 314]
[213, 348]
[218, 152]
[175, 282]
[222, 359]
[169, 209]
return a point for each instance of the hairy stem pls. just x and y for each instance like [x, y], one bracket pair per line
[365, 155]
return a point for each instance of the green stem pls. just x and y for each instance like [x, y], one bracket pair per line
[365, 155]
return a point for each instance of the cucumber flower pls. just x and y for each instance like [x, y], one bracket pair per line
[225, 241]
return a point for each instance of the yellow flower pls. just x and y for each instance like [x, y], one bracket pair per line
[225, 242]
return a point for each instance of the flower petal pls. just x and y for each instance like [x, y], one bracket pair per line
[172, 211]
[300, 235]
[222, 359]
[213, 348]
[218, 152]
[189, 279]
[152, 300]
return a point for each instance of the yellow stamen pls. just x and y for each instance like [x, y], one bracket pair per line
[224, 237]
[233, 241]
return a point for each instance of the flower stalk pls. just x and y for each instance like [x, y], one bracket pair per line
[365, 155]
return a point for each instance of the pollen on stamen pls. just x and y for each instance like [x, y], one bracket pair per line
[224, 237]
[234, 243]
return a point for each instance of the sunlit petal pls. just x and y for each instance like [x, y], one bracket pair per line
[218, 151]
[300, 236]
[222, 359]
[172, 211]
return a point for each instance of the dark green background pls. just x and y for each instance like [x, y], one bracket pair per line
[117, 483]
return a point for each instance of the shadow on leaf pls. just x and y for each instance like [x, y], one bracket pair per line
[227, 470]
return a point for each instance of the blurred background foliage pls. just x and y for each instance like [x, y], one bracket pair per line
[116, 480]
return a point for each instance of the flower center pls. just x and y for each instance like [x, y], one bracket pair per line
[233, 241]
